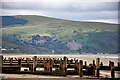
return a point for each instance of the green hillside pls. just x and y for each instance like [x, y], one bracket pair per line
[39, 34]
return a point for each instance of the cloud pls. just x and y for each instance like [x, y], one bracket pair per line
[115, 21]
[60, 0]
[78, 11]
[75, 6]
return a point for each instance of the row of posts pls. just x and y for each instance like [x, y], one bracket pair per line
[63, 66]
[78, 66]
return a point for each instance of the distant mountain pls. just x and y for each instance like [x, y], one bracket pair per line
[38, 34]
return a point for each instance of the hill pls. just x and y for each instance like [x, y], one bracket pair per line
[40, 34]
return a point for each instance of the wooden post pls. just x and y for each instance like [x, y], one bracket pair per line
[19, 63]
[80, 68]
[93, 68]
[118, 66]
[85, 64]
[1, 63]
[27, 61]
[47, 60]
[58, 60]
[51, 64]
[15, 58]
[44, 64]
[34, 63]
[93, 62]
[101, 64]
[76, 66]
[71, 61]
[86, 68]
[97, 67]
[112, 70]
[65, 64]
[61, 66]
[11, 60]
[109, 63]
[48, 66]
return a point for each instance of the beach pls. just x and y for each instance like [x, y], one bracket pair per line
[105, 58]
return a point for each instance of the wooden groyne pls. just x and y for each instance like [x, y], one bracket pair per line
[56, 66]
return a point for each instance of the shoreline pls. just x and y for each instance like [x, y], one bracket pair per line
[93, 55]
[105, 58]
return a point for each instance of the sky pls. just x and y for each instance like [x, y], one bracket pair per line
[97, 11]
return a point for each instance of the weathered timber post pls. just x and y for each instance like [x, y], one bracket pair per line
[8, 58]
[15, 58]
[1, 63]
[58, 60]
[93, 68]
[51, 64]
[44, 64]
[19, 63]
[11, 60]
[93, 62]
[101, 64]
[48, 66]
[90, 69]
[61, 64]
[118, 66]
[68, 60]
[80, 68]
[71, 61]
[27, 61]
[85, 64]
[47, 60]
[112, 70]
[76, 66]
[97, 67]
[65, 64]
[34, 63]
[109, 63]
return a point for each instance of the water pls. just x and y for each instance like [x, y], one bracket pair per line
[115, 56]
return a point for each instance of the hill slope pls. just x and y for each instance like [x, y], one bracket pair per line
[39, 34]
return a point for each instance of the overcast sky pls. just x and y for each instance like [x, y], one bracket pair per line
[71, 10]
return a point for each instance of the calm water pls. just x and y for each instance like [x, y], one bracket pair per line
[71, 55]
